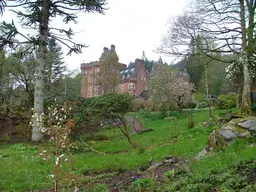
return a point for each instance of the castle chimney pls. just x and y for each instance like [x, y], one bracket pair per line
[113, 47]
[105, 50]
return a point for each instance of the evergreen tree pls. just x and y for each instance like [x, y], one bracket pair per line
[56, 66]
[54, 72]
[38, 14]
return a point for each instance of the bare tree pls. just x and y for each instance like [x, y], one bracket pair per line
[231, 24]
[228, 24]
[181, 36]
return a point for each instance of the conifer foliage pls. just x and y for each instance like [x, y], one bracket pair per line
[37, 15]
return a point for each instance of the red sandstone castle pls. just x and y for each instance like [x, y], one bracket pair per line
[132, 80]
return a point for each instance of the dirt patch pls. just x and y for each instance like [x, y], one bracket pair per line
[120, 181]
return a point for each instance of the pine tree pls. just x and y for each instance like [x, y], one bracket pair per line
[38, 14]
[56, 64]
[54, 72]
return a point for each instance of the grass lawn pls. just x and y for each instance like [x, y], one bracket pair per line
[22, 169]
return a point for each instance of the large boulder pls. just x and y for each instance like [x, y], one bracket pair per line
[227, 134]
[241, 127]
[236, 128]
[248, 124]
[231, 130]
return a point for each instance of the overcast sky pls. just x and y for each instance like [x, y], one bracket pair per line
[131, 25]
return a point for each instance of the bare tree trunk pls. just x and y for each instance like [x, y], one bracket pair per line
[238, 96]
[207, 89]
[246, 96]
[38, 99]
[39, 80]
[168, 109]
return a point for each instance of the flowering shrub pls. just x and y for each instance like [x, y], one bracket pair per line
[181, 91]
[235, 70]
[58, 125]
[70, 124]
[202, 105]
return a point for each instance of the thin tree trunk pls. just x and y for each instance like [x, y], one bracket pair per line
[1, 75]
[246, 96]
[168, 109]
[238, 96]
[207, 90]
[39, 80]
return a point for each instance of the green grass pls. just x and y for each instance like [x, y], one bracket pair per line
[24, 170]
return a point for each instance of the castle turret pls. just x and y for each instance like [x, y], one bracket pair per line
[160, 61]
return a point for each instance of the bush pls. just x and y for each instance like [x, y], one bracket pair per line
[227, 101]
[202, 105]
[254, 107]
[139, 104]
[190, 105]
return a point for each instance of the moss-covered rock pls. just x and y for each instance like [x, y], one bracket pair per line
[235, 128]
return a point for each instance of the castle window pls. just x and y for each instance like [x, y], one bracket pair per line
[141, 77]
[131, 86]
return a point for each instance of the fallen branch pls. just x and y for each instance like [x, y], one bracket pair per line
[94, 150]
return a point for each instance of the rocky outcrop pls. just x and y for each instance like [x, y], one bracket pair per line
[236, 128]
[249, 124]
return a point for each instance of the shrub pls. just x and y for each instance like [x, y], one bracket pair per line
[190, 105]
[93, 110]
[139, 104]
[163, 112]
[202, 105]
[254, 107]
[144, 184]
[227, 101]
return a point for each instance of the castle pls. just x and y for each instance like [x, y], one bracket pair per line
[108, 75]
